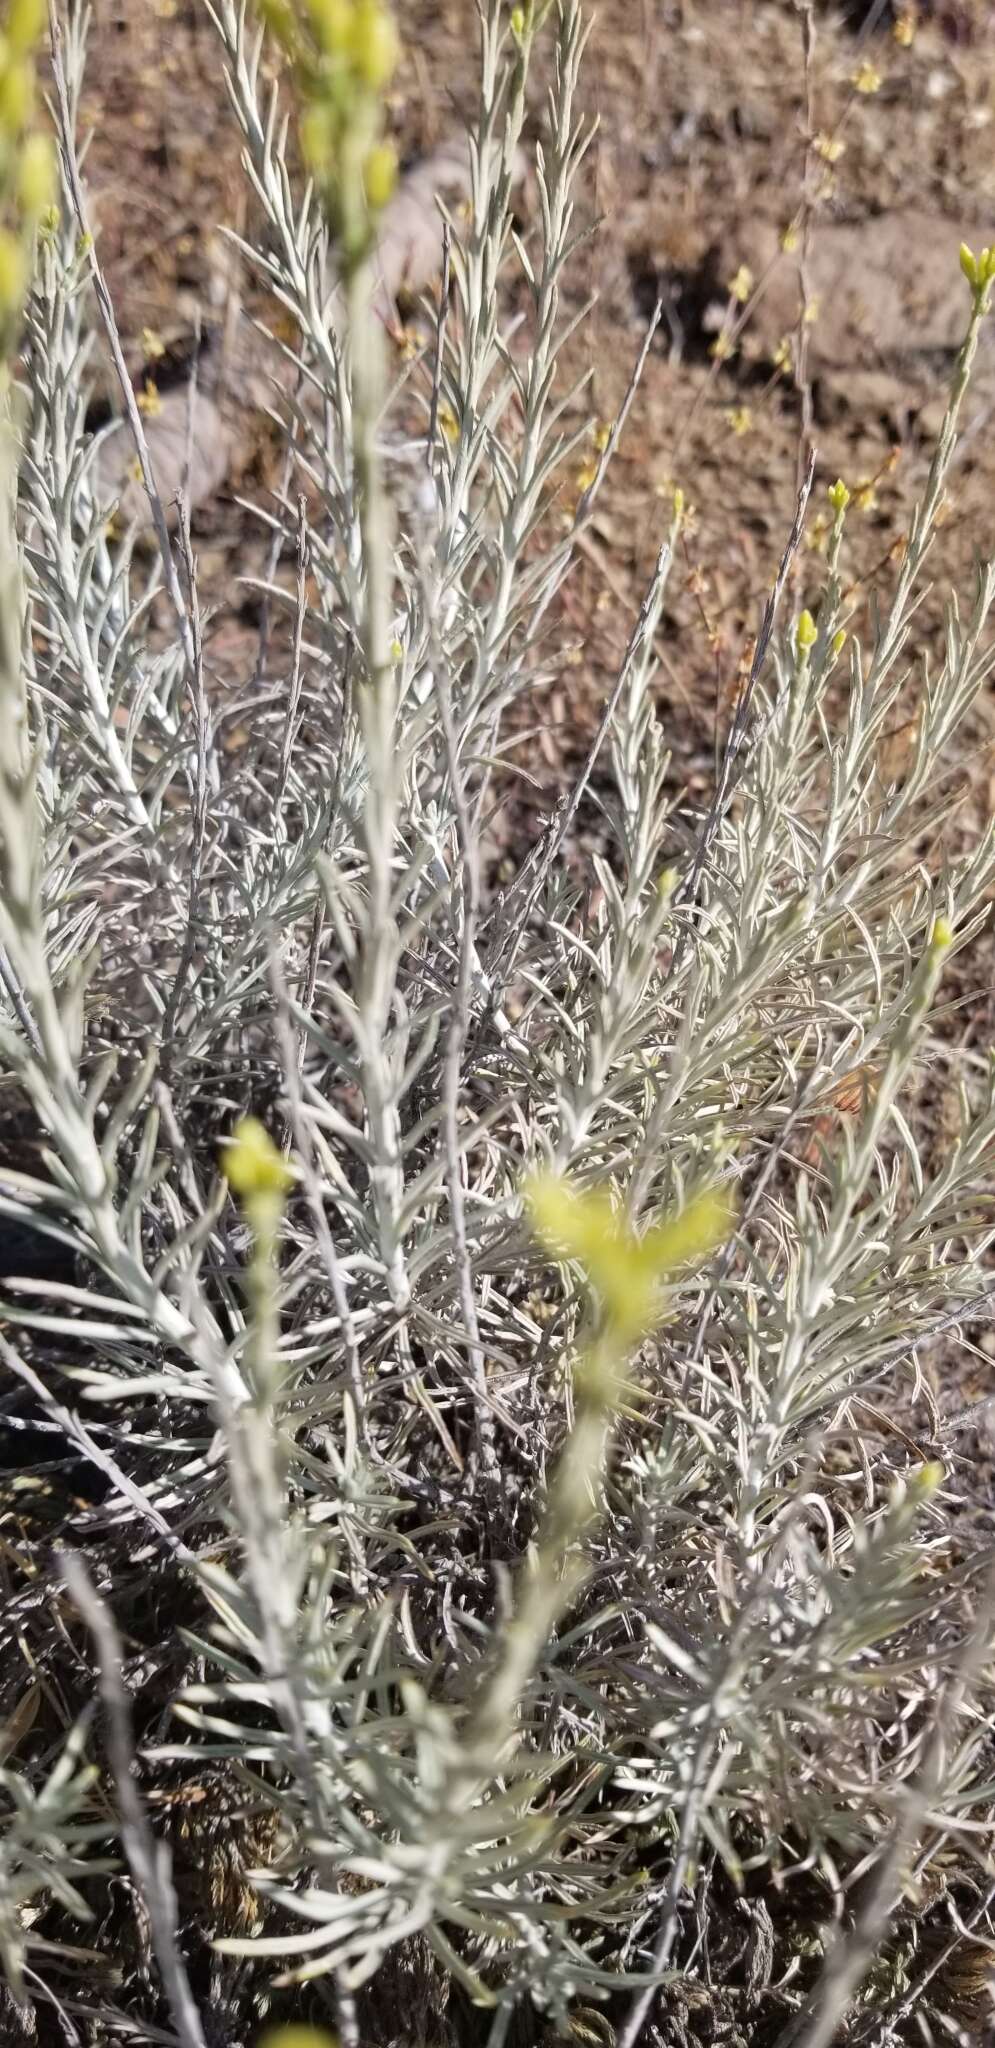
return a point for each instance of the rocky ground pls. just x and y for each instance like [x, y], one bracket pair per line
[861, 136]
[718, 137]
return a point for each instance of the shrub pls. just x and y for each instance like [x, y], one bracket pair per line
[513, 1453]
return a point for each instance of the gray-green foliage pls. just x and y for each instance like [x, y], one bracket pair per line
[46, 1832]
[775, 1660]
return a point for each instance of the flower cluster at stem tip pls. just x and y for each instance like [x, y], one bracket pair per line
[527, 19]
[258, 1174]
[296, 2036]
[624, 1268]
[345, 53]
[27, 162]
[979, 271]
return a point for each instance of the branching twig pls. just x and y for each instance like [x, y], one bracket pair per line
[148, 1859]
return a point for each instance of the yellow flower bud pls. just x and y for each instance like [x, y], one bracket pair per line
[518, 22]
[380, 176]
[297, 2036]
[928, 1479]
[839, 641]
[626, 1270]
[374, 45]
[969, 264]
[806, 633]
[280, 20]
[17, 91]
[839, 497]
[13, 273]
[317, 139]
[829, 147]
[331, 22]
[25, 21]
[942, 935]
[36, 176]
[252, 1164]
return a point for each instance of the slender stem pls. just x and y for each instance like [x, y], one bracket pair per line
[148, 1859]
